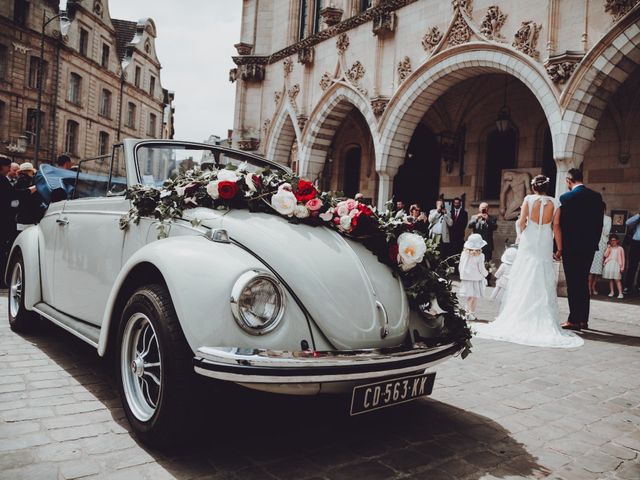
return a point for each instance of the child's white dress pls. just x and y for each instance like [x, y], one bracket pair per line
[472, 275]
[502, 280]
[611, 269]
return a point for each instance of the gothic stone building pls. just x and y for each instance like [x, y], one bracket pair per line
[415, 99]
[100, 81]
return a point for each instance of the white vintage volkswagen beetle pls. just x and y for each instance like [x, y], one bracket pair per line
[242, 297]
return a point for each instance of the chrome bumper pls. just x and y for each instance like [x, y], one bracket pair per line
[280, 367]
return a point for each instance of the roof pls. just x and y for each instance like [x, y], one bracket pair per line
[125, 31]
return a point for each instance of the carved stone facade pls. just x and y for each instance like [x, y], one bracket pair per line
[342, 43]
[526, 38]
[404, 69]
[383, 22]
[326, 81]
[305, 56]
[460, 32]
[91, 95]
[492, 23]
[431, 39]
[619, 8]
[379, 104]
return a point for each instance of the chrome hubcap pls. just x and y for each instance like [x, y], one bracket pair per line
[141, 366]
[15, 290]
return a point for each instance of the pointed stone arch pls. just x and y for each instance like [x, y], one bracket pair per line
[600, 73]
[323, 122]
[283, 135]
[430, 81]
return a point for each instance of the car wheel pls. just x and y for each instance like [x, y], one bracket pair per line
[154, 365]
[20, 319]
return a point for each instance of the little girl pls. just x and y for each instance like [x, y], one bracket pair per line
[472, 273]
[502, 275]
[614, 265]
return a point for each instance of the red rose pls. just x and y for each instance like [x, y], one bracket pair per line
[365, 209]
[227, 189]
[393, 252]
[257, 182]
[305, 191]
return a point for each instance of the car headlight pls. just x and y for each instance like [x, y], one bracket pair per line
[257, 302]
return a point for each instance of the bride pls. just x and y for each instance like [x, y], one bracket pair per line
[529, 314]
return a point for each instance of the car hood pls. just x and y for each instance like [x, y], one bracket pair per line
[350, 295]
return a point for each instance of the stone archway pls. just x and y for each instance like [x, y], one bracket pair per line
[323, 123]
[283, 137]
[435, 77]
[600, 73]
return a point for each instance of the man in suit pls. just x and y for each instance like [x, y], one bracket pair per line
[439, 224]
[460, 219]
[7, 213]
[484, 224]
[581, 216]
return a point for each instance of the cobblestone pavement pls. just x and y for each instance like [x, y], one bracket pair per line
[507, 411]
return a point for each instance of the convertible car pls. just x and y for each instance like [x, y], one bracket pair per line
[234, 295]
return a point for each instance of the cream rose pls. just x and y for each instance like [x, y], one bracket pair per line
[301, 211]
[227, 175]
[212, 189]
[411, 250]
[284, 202]
[345, 223]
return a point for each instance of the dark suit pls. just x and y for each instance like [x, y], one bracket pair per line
[7, 221]
[485, 228]
[581, 216]
[456, 231]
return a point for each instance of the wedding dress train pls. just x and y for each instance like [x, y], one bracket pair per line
[529, 314]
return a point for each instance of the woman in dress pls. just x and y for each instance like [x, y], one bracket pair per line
[598, 258]
[530, 315]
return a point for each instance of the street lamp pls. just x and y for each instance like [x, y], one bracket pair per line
[45, 22]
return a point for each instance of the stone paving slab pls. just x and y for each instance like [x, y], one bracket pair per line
[507, 411]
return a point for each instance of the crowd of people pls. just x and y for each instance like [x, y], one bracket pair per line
[20, 203]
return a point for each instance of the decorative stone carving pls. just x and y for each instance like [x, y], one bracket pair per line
[331, 15]
[619, 8]
[276, 97]
[287, 66]
[378, 105]
[460, 32]
[305, 56]
[526, 39]
[561, 67]
[431, 39]
[243, 48]
[251, 72]
[293, 93]
[515, 186]
[492, 23]
[356, 72]
[465, 5]
[248, 144]
[342, 43]
[383, 22]
[326, 81]
[404, 69]
[302, 121]
[233, 75]
[97, 8]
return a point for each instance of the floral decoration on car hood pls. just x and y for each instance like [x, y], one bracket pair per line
[407, 251]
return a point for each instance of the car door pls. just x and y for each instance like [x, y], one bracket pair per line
[88, 254]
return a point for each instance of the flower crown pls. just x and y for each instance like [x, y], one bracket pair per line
[536, 182]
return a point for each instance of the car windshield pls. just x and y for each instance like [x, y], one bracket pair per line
[158, 162]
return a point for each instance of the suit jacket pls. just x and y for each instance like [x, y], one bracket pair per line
[459, 226]
[581, 217]
[7, 214]
[434, 217]
[485, 229]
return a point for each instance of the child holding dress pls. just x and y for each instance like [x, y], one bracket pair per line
[502, 275]
[472, 273]
[614, 265]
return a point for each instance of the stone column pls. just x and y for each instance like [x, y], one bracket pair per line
[385, 186]
[563, 165]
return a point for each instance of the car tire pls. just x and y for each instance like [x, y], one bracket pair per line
[154, 367]
[20, 319]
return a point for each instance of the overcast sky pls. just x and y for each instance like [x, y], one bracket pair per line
[194, 45]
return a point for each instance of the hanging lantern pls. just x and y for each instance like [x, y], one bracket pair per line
[503, 122]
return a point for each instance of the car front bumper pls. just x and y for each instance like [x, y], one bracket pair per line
[251, 366]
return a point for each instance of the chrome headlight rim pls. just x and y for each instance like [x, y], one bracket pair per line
[240, 285]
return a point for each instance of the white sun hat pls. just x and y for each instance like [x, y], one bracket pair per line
[509, 255]
[26, 166]
[474, 242]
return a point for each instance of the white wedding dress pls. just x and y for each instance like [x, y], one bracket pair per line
[529, 314]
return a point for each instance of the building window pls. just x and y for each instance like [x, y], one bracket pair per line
[20, 12]
[310, 19]
[83, 47]
[31, 126]
[71, 137]
[137, 77]
[131, 115]
[4, 60]
[105, 55]
[34, 69]
[151, 128]
[152, 85]
[105, 103]
[103, 143]
[75, 83]
[304, 14]
[363, 5]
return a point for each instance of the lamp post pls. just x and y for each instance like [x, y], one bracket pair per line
[45, 22]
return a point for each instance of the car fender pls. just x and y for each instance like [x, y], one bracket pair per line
[28, 245]
[199, 274]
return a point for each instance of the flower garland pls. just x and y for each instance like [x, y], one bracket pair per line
[412, 255]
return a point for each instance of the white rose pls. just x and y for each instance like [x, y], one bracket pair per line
[345, 223]
[284, 202]
[300, 211]
[285, 186]
[411, 250]
[180, 191]
[212, 189]
[327, 216]
[342, 210]
[227, 175]
[248, 180]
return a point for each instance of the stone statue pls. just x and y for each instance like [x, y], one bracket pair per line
[515, 186]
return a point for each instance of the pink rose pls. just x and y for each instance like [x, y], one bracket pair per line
[351, 204]
[314, 204]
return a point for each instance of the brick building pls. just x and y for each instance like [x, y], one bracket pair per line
[421, 98]
[101, 80]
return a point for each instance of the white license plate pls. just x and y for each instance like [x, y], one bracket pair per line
[374, 396]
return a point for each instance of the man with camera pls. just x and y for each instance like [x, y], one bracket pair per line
[485, 225]
[439, 223]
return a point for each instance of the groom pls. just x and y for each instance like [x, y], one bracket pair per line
[581, 215]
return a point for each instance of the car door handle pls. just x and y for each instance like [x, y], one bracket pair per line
[62, 221]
